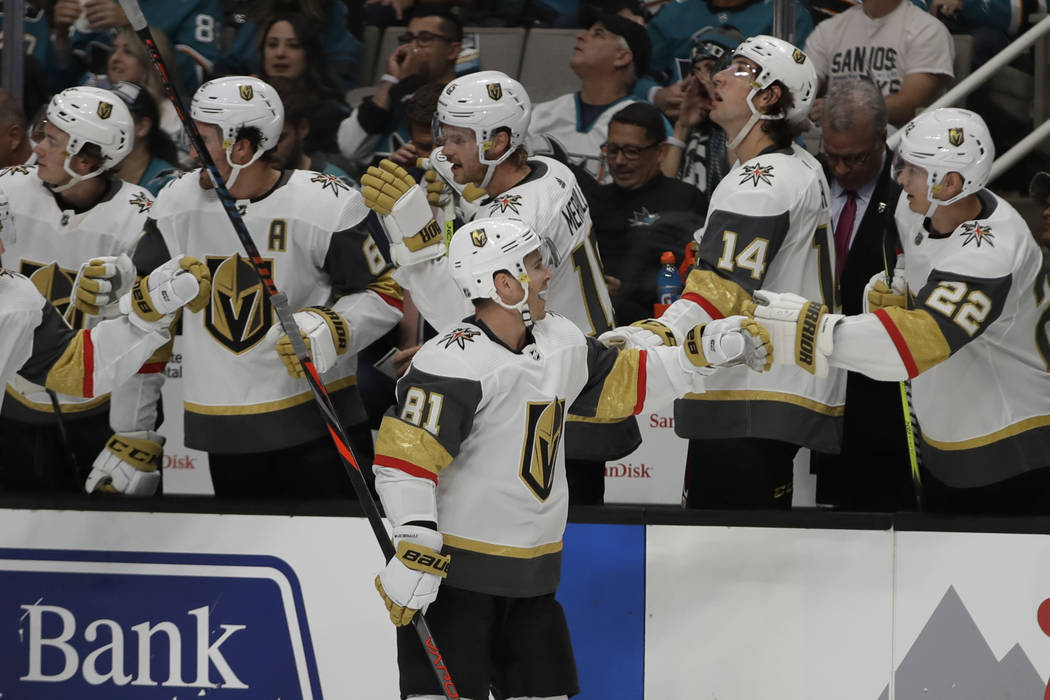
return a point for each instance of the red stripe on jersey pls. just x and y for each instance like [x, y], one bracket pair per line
[643, 357]
[704, 304]
[407, 467]
[152, 368]
[89, 366]
[396, 303]
[898, 342]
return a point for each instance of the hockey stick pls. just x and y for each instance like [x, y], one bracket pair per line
[71, 456]
[279, 302]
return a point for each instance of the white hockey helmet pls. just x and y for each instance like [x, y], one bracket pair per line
[947, 140]
[485, 102]
[778, 60]
[483, 247]
[91, 115]
[235, 102]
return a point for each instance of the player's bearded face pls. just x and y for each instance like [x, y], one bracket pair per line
[459, 146]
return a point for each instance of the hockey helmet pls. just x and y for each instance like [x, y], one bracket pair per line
[91, 115]
[485, 102]
[483, 247]
[235, 102]
[947, 140]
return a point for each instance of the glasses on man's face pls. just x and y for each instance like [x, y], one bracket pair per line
[423, 37]
[850, 161]
[611, 150]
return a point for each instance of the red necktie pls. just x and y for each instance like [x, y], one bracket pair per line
[844, 230]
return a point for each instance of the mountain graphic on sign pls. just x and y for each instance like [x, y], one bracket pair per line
[950, 660]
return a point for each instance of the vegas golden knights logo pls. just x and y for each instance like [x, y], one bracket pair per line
[495, 90]
[55, 285]
[238, 314]
[799, 57]
[955, 136]
[545, 421]
[479, 237]
[247, 93]
[104, 110]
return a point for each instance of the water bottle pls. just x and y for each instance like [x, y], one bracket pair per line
[668, 281]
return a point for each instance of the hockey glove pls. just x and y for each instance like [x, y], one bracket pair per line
[410, 580]
[327, 336]
[442, 188]
[129, 464]
[181, 281]
[403, 208]
[880, 294]
[649, 333]
[801, 330]
[101, 282]
[729, 342]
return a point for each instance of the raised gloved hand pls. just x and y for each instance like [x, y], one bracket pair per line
[327, 336]
[649, 333]
[801, 330]
[728, 342]
[880, 293]
[403, 208]
[181, 281]
[129, 464]
[410, 580]
[101, 282]
[443, 190]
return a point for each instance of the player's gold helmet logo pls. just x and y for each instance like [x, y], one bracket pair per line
[238, 314]
[104, 110]
[495, 90]
[799, 57]
[247, 93]
[479, 237]
[545, 421]
[955, 136]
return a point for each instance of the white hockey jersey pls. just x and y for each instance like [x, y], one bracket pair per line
[309, 229]
[50, 245]
[978, 340]
[36, 343]
[768, 227]
[550, 201]
[486, 423]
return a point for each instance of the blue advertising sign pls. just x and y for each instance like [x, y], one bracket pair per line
[77, 625]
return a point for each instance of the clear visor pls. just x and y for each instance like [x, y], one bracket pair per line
[549, 253]
[902, 166]
[447, 133]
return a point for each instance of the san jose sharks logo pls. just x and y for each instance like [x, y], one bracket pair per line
[141, 201]
[330, 182]
[644, 217]
[977, 233]
[757, 173]
[503, 202]
[460, 336]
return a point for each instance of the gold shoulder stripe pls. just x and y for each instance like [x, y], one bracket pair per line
[619, 396]
[779, 396]
[384, 284]
[725, 295]
[409, 443]
[922, 335]
[1001, 434]
[68, 374]
[501, 550]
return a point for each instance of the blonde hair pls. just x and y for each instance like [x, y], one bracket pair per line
[152, 80]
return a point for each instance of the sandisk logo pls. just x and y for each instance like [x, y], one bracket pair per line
[807, 334]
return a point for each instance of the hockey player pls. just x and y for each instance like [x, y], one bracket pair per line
[471, 464]
[484, 168]
[768, 227]
[66, 209]
[966, 318]
[256, 420]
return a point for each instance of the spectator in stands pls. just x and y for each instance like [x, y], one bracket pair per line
[342, 49]
[419, 113]
[872, 470]
[673, 32]
[696, 152]
[153, 160]
[15, 146]
[192, 25]
[427, 53]
[906, 52]
[608, 58]
[291, 152]
[292, 49]
[44, 74]
[642, 212]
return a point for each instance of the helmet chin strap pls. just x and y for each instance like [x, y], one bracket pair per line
[74, 178]
[755, 117]
[522, 307]
[491, 164]
[235, 169]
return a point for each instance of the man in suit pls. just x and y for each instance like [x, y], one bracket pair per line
[872, 472]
